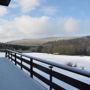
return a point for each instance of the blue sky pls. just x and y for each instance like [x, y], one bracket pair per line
[44, 18]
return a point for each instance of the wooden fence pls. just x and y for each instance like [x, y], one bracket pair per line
[15, 56]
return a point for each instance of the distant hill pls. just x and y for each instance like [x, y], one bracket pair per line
[75, 46]
[36, 42]
[55, 45]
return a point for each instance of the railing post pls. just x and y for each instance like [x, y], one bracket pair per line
[11, 57]
[6, 53]
[15, 59]
[51, 76]
[31, 67]
[21, 62]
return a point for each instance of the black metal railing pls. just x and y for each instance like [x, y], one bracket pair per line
[15, 56]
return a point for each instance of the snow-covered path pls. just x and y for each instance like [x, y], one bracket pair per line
[12, 78]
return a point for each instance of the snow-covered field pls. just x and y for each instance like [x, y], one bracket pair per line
[2, 54]
[80, 61]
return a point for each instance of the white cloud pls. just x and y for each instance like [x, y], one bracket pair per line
[24, 27]
[27, 5]
[33, 26]
[3, 11]
[50, 10]
[14, 5]
[7, 30]
[71, 25]
[36, 27]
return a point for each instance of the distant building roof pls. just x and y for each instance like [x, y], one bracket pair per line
[4, 2]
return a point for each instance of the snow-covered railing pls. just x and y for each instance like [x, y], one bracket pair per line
[13, 55]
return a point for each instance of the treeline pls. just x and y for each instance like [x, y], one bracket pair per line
[4, 46]
[79, 46]
[19, 48]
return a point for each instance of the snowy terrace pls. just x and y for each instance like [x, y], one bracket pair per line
[44, 73]
[12, 78]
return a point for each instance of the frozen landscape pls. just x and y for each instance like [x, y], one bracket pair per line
[81, 61]
[60, 27]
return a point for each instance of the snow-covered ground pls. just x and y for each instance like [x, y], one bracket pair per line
[80, 61]
[12, 78]
[2, 54]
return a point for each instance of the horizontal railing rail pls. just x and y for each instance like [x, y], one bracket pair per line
[13, 55]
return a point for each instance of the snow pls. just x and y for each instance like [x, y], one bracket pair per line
[81, 61]
[12, 78]
[2, 54]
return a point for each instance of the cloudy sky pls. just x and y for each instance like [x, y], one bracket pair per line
[44, 18]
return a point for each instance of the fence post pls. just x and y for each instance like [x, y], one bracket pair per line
[8, 55]
[5, 53]
[31, 67]
[15, 59]
[50, 67]
[21, 62]
[11, 57]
